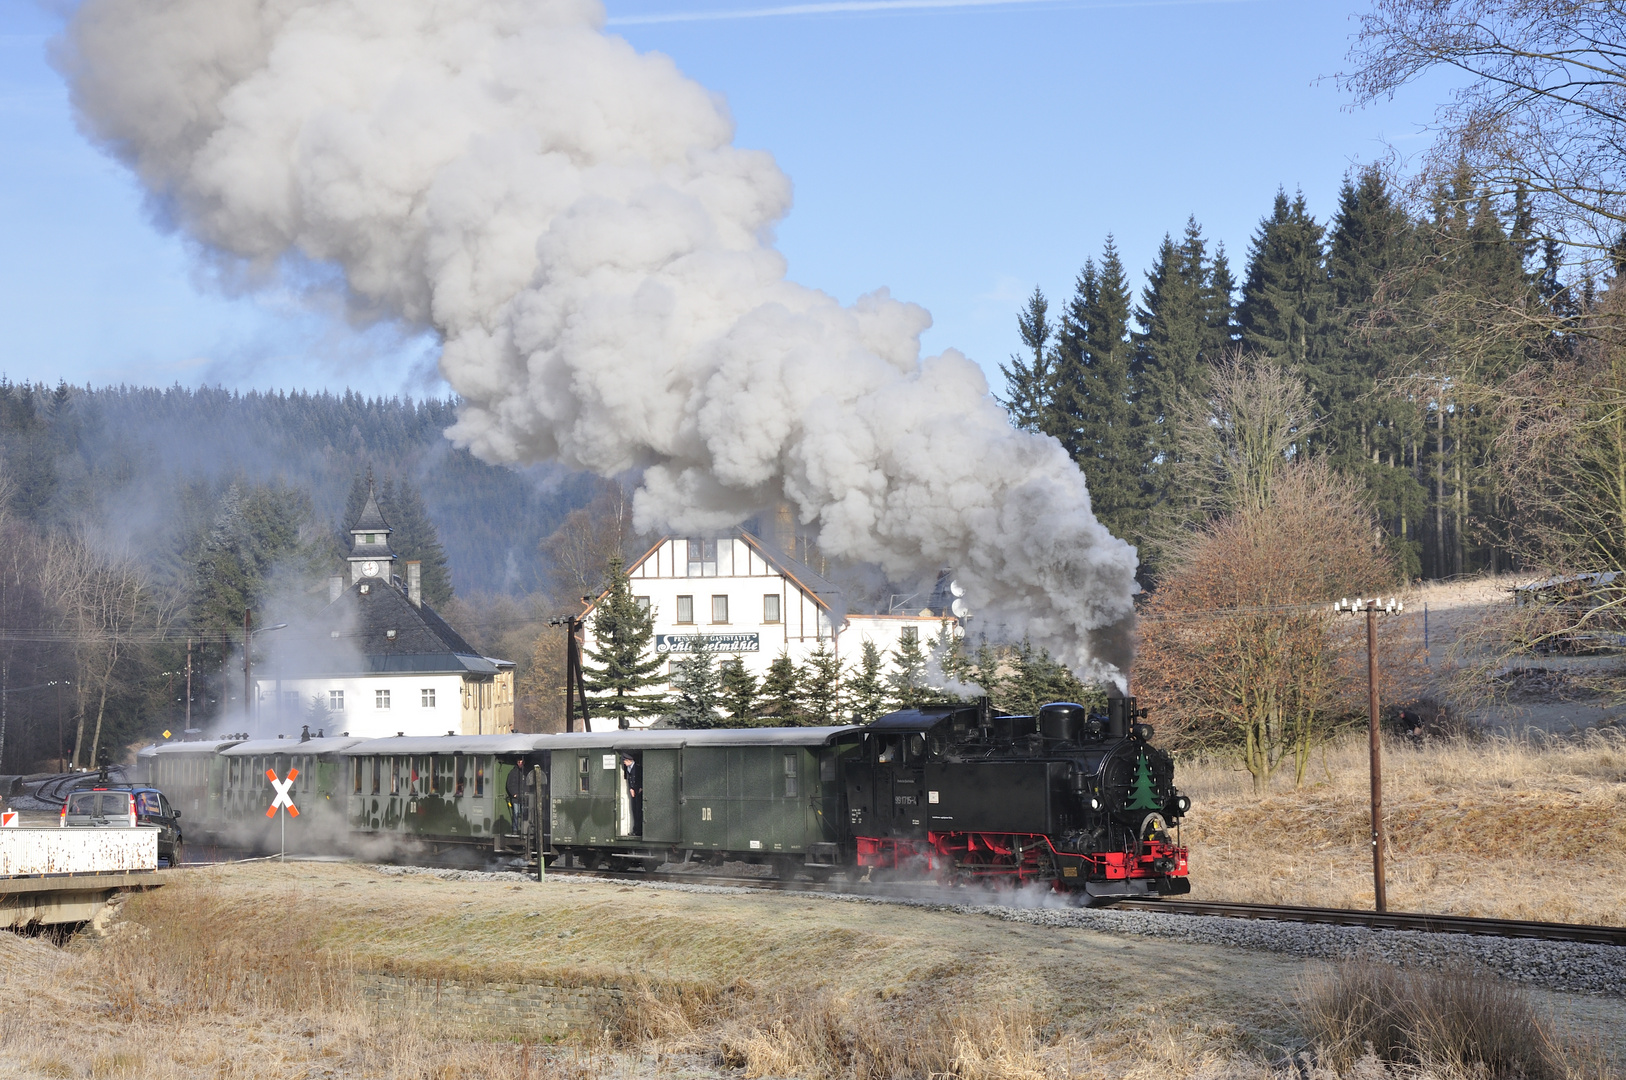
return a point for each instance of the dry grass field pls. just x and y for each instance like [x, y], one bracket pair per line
[253, 971]
[1532, 829]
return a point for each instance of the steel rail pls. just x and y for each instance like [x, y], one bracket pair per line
[1433, 924]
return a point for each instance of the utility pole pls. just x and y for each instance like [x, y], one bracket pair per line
[1373, 608]
[188, 726]
[575, 685]
[248, 668]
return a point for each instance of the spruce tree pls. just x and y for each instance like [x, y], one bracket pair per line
[413, 536]
[1093, 395]
[781, 699]
[1286, 309]
[866, 688]
[906, 686]
[1363, 431]
[1185, 319]
[698, 692]
[1036, 679]
[622, 666]
[1028, 381]
[821, 686]
[739, 691]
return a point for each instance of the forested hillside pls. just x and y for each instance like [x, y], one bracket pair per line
[132, 461]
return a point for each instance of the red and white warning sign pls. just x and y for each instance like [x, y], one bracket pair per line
[283, 787]
[9, 819]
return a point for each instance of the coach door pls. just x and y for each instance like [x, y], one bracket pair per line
[662, 787]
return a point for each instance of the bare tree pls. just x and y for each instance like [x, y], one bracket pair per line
[578, 551]
[1236, 434]
[1238, 644]
[1537, 115]
[110, 608]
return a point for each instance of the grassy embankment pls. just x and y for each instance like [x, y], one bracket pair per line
[1515, 829]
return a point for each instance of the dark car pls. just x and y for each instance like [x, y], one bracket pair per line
[127, 807]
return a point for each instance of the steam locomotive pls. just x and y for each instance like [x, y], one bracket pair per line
[1067, 799]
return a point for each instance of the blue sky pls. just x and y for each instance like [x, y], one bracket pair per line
[959, 153]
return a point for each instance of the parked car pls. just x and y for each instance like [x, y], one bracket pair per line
[127, 808]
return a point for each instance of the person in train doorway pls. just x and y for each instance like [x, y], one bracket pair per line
[633, 770]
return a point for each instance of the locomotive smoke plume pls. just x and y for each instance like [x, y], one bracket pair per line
[573, 221]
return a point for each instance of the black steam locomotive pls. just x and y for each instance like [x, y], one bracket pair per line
[1081, 801]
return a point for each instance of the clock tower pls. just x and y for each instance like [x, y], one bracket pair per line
[370, 555]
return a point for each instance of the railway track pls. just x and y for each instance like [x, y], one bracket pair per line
[1434, 924]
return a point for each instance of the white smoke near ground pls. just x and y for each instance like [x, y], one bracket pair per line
[571, 218]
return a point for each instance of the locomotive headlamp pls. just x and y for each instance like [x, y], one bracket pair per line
[1143, 732]
[1095, 804]
[1181, 804]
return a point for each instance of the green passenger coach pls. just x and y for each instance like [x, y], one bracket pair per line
[758, 794]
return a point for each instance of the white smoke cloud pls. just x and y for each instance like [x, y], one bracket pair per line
[571, 217]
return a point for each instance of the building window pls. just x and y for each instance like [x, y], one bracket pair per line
[770, 607]
[427, 697]
[642, 602]
[381, 699]
[702, 551]
[909, 635]
[685, 612]
[719, 609]
[335, 701]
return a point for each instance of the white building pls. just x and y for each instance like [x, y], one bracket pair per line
[738, 595]
[379, 661]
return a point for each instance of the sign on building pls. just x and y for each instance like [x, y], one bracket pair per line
[711, 643]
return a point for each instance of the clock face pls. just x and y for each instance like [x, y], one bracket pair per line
[369, 568]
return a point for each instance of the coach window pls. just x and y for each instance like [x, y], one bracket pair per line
[719, 609]
[461, 766]
[584, 773]
[395, 776]
[479, 776]
[355, 778]
[685, 611]
[378, 769]
[770, 607]
[790, 776]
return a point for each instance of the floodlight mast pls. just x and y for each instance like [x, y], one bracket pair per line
[1373, 608]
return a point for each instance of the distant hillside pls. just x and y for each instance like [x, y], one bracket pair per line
[120, 459]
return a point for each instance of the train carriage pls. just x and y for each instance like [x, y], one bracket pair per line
[754, 794]
[445, 792]
[192, 775]
[317, 792]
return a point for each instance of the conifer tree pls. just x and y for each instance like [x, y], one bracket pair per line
[866, 687]
[821, 686]
[698, 690]
[1185, 324]
[1364, 432]
[739, 691]
[781, 698]
[1028, 381]
[1094, 396]
[619, 671]
[1286, 309]
[1036, 680]
[413, 536]
[906, 686]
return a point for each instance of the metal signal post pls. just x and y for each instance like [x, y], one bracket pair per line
[1373, 608]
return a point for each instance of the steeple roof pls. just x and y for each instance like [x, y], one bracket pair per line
[372, 519]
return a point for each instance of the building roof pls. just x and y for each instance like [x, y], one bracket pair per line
[824, 593]
[313, 746]
[373, 617]
[371, 519]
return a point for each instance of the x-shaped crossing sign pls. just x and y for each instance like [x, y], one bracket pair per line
[283, 787]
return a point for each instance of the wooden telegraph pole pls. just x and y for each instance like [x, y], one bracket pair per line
[575, 684]
[1373, 608]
